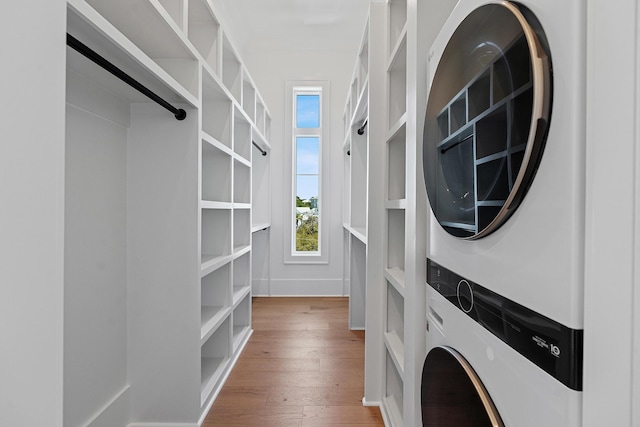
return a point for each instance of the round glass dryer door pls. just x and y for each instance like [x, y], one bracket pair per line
[487, 119]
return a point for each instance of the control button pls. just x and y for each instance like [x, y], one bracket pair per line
[465, 296]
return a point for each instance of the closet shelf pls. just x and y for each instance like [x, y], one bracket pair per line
[86, 24]
[242, 160]
[401, 44]
[215, 143]
[395, 276]
[396, 204]
[239, 292]
[211, 263]
[209, 204]
[397, 126]
[240, 336]
[210, 319]
[212, 369]
[260, 227]
[395, 348]
[361, 111]
[359, 233]
[240, 250]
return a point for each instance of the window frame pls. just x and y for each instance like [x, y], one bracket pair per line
[294, 88]
[302, 132]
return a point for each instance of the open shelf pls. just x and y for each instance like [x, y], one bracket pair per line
[216, 235]
[241, 135]
[214, 300]
[216, 110]
[241, 322]
[175, 9]
[396, 239]
[358, 283]
[231, 70]
[260, 116]
[393, 396]
[396, 169]
[159, 37]
[397, 77]
[267, 126]
[397, 20]
[214, 358]
[216, 173]
[395, 277]
[241, 277]
[204, 33]
[363, 61]
[395, 318]
[346, 170]
[359, 176]
[241, 229]
[241, 183]
[249, 97]
[260, 189]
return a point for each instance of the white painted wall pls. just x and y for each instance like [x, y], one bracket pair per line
[612, 301]
[31, 212]
[95, 303]
[271, 70]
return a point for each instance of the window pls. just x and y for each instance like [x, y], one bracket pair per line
[307, 149]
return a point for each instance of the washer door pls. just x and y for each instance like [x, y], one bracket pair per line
[487, 119]
[452, 393]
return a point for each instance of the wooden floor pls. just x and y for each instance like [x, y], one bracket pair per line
[302, 367]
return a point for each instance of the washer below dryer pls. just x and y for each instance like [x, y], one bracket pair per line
[492, 362]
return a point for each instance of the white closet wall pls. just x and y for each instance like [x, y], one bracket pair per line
[32, 191]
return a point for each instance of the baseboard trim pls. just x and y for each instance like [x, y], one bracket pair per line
[307, 288]
[365, 402]
[385, 416]
[114, 413]
[162, 425]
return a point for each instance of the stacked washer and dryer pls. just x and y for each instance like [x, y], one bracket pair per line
[504, 164]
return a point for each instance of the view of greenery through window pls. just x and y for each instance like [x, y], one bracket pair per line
[307, 171]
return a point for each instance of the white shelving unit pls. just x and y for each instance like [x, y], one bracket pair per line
[397, 201]
[356, 176]
[171, 218]
[380, 212]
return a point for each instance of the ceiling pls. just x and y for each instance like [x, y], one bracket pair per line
[295, 24]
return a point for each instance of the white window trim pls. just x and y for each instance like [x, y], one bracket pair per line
[292, 88]
[306, 132]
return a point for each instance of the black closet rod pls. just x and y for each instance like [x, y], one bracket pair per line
[264, 153]
[361, 129]
[77, 45]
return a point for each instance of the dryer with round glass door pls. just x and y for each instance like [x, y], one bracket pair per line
[504, 171]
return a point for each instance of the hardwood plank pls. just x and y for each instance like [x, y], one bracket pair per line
[301, 367]
[281, 416]
[347, 366]
[241, 398]
[261, 335]
[314, 396]
[322, 416]
[292, 379]
[266, 350]
[278, 364]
